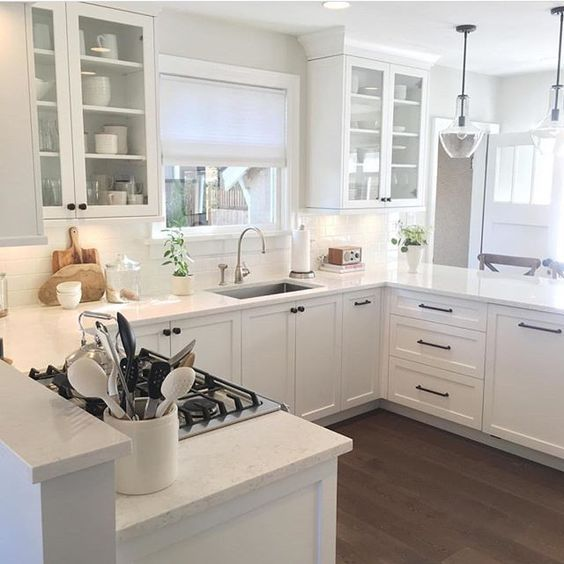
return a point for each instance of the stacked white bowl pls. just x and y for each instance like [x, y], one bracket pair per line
[96, 90]
[69, 294]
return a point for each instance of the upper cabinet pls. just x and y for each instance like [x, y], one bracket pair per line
[20, 202]
[366, 132]
[95, 85]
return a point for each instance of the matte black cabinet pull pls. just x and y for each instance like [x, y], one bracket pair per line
[443, 309]
[82, 207]
[422, 389]
[71, 207]
[294, 310]
[301, 309]
[365, 302]
[444, 347]
[166, 332]
[536, 328]
[176, 330]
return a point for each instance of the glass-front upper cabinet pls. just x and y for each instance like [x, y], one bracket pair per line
[406, 174]
[96, 104]
[112, 77]
[48, 24]
[364, 174]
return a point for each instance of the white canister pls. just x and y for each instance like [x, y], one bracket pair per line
[121, 132]
[96, 90]
[106, 143]
[153, 462]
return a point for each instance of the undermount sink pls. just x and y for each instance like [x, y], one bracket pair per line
[258, 290]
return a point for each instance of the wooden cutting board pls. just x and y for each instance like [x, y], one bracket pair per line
[90, 275]
[74, 254]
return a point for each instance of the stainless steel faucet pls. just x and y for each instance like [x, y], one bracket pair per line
[241, 270]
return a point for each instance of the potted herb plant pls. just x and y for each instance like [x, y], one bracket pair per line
[411, 240]
[175, 253]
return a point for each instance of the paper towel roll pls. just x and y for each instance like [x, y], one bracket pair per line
[300, 250]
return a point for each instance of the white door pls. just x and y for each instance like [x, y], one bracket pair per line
[361, 348]
[524, 383]
[318, 357]
[268, 351]
[218, 343]
[519, 203]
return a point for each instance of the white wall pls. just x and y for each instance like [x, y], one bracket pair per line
[523, 100]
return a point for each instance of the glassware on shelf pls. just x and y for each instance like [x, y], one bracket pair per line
[51, 190]
[48, 134]
[93, 194]
[123, 278]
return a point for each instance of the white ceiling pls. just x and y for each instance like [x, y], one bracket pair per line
[512, 36]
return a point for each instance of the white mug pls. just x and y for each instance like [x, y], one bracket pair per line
[107, 45]
[106, 143]
[116, 198]
[121, 132]
[42, 36]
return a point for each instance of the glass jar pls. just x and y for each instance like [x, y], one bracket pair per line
[123, 280]
[3, 295]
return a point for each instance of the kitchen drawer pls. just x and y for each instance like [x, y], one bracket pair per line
[442, 309]
[436, 344]
[437, 392]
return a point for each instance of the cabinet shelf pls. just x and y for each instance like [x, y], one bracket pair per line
[90, 62]
[405, 134]
[400, 165]
[366, 97]
[363, 131]
[44, 55]
[406, 102]
[46, 104]
[48, 154]
[112, 110]
[115, 157]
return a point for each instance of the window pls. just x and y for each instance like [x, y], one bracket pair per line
[229, 146]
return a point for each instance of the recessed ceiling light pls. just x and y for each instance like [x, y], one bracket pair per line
[336, 5]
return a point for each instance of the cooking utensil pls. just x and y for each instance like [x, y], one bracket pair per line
[75, 254]
[129, 343]
[175, 385]
[180, 356]
[90, 380]
[159, 371]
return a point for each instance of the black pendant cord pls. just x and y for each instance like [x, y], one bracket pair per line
[558, 85]
[463, 92]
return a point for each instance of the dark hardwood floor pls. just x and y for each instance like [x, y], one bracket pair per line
[410, 493]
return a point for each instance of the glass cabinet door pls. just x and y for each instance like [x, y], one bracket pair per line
[113, 90]
[53, 120]
[364, 157]
[408, 103]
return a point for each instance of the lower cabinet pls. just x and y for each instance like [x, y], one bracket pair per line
[361, 347]
[438, 392]
[218, 341]
[292, 353]
[524, 391]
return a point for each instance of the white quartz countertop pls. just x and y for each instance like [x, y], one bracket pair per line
[48, 434]
[35, 336]
[224, 464]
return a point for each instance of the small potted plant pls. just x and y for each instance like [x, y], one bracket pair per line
[175, 253]
[411, 240]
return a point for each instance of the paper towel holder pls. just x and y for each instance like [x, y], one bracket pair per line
[302, 275]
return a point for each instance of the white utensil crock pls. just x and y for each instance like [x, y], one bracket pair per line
[182, 285]
[106, 143]
[153, 462]
[413, 256]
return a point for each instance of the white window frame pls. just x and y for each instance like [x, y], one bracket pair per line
[288, 189]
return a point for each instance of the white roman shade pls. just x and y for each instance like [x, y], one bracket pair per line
[205, 122]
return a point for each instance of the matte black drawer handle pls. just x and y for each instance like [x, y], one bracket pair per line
[167, 332]
[365, 302]
[444, 347]
[422, 389]
[536, 328]
[443, 309]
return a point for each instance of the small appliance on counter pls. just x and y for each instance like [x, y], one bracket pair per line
[341, 260]
[301, 254]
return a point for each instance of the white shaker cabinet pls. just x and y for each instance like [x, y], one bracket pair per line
[95, 73]
[20, 200]
[361, 347]
[291, 352]
[366, 134]
[524, 384]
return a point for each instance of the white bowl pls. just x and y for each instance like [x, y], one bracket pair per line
[69, 288]
[42, 87]
[69, 301]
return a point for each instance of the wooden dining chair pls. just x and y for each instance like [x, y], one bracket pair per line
[489, 260]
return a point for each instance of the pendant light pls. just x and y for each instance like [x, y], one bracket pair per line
[461, 138]
[548, 132]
